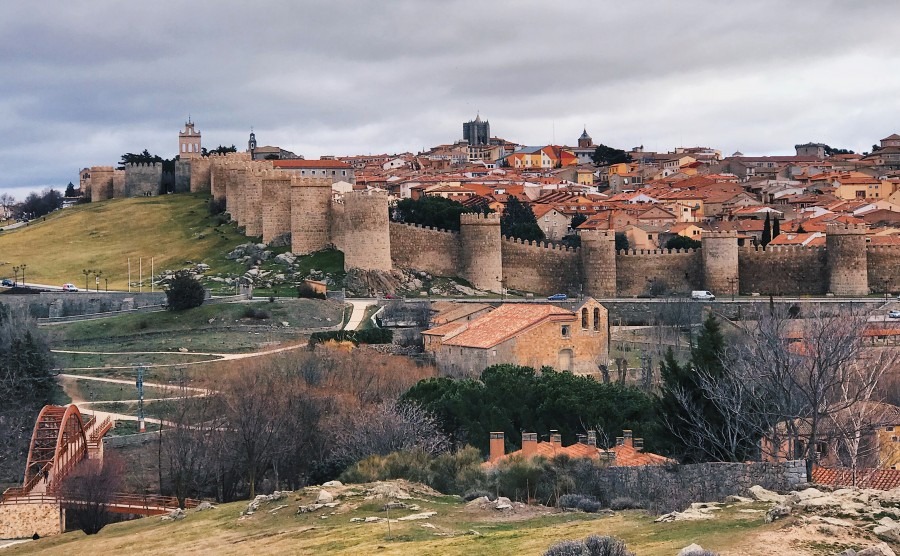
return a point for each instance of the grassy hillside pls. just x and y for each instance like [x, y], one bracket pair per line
[456, 529]
[170, 228]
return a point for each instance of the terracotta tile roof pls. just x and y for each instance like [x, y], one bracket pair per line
[626, 456]
[880, 479]
[502, 323]
[310, 164]
[456, 311]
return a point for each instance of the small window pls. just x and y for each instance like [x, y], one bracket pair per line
[584, 318]
[565, 331]
[889, 429]
[822, 448]
[596, 318]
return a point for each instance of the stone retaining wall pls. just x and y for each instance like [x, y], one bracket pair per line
[21, 521]
[663, 489]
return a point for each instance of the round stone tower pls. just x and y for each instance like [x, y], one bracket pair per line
[480, 250]
[845, 247]
[310, 215]
[367, 238]
[720, 261]
[598, 262]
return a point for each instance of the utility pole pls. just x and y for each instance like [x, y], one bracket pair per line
[732, 282]
[142, 427]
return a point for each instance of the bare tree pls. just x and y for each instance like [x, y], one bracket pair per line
[812, 369]
[88, 492]
[387, 428]
[193, 421]
[253, 401]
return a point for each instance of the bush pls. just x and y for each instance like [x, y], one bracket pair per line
[587, 504]
[368, 336]
[306, 291]
[624, 503]
[473, 494]
[254, 313]
[184, 292]
[595, 545]
[216, 206]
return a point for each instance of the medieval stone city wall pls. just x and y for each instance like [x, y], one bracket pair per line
[540, 267]
[782, 270]
[199, 174]
[252, 207]
[664, 270]
[143, 179]
[101, 183]
[481, 260]
[883, 263]
[183, 175]
[367, 236]
[276, 211]
[720, 261]
[310, 214]
[424, 248]
[846, 245]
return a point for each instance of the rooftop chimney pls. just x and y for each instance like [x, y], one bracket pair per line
[555, 439]
[592, 438]
[498, 448]
[582, 438]
[620, 441]
[638, 444]
[628, 438]
[529, 443]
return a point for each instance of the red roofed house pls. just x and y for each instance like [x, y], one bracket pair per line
[335, 170]
[529, 334]
[628, 451]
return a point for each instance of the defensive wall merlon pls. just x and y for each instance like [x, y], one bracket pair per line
[300, 211]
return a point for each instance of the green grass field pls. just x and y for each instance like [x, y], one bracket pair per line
[455, 531]
[217, 328]
[170, 228]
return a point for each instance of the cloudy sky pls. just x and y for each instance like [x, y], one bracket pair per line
[85, 82]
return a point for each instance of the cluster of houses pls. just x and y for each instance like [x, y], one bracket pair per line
[656, 196]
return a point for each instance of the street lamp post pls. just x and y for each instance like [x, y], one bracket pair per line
[16, 273]
[23, 273]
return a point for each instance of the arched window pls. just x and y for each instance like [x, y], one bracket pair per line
[596, 318]
[184, 147]
[584, 318]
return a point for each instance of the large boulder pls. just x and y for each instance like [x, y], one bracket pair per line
[881, 549]
[759, 493]
[324, 497]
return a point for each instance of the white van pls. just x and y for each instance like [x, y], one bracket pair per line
[702, 295]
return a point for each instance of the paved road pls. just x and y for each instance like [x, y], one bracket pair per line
[359, 311]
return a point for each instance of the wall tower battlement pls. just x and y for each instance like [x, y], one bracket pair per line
[367, 237]
[598, 263]
[481, 257]
[847, 265]
[310, 211]
[720, 261]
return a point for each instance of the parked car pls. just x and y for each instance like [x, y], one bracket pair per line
[895, 314]
[69, 288]
[558, 297]
[7, 283]
[702, 295]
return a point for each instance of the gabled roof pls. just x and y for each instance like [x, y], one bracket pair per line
[299, 163]
[501, 324]
[880, 479]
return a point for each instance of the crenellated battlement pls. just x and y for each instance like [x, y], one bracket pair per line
[303, 181]
[841, 228]
[883, 248]
[720, 234]
[428, 228]
[540, 244]
[102, 169]
[655, 252]
[746, 249]
[132, 165]
[479, 219]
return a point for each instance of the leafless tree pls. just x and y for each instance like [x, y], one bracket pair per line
[387, 428]
[252, 404]
[811, 369]
[194, 420]
[89, 490]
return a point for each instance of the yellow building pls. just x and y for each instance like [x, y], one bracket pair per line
[531, 334]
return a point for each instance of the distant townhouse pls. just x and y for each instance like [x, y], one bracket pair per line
[335, 170]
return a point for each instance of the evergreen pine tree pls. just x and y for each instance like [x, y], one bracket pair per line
[767, 232]
[776, 228]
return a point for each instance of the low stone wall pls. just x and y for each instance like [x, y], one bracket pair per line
[21, 521]
[63, 304]
[663, 489]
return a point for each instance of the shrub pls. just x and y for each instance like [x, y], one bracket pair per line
[306, 291]
[473, 494]
[256, 314]
[624, 503]
[586, 504]
[595, 545]
[216, 206]
[368, 336]
[184, 292]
